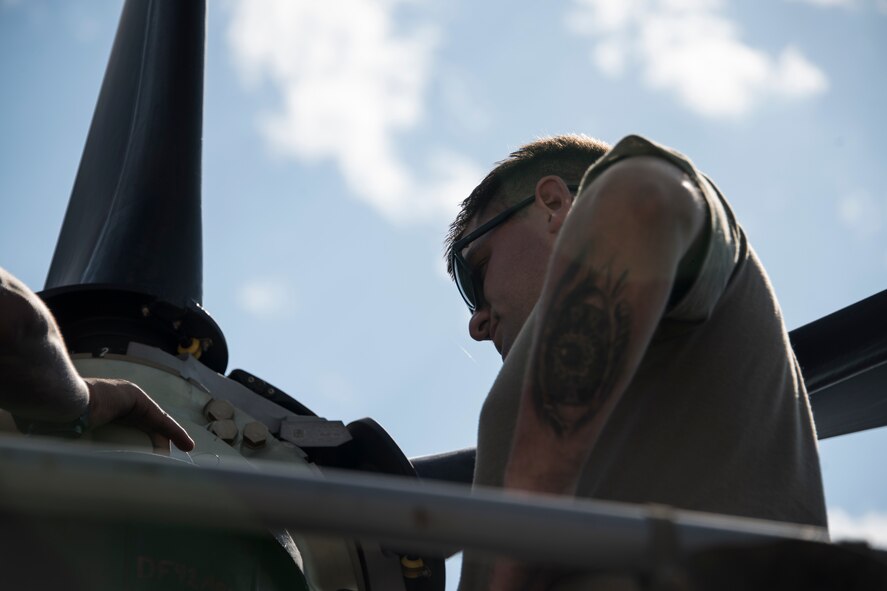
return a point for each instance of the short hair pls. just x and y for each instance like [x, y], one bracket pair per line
[567, 156]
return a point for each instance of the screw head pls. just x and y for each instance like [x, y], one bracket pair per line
[255, 435]
[226, 430]
[218, 410]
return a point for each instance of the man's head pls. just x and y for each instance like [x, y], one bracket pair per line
[503, 269]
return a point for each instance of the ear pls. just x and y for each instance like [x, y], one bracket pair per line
[553, 195]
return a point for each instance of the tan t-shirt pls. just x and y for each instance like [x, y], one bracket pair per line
[716, 418]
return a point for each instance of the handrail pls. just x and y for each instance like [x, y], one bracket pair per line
[50, 479]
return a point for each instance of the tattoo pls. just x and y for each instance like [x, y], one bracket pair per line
[583, 340]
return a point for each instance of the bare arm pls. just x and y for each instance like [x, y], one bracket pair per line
[38, 379]
[606, 289]
[39, 382]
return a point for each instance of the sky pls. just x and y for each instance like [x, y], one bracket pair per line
[339, 138]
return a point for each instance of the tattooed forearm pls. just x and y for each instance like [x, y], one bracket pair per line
[583, 339]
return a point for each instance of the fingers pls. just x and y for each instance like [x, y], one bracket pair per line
[123, 402]
[160, 444]
[178, 436]
[154, 421]
[158, 424]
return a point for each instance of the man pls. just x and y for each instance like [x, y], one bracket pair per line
[42, 391]
[644, 354]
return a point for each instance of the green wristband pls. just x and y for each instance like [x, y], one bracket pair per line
[70, 430]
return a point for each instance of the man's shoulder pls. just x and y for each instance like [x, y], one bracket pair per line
[646, 182]
[635, 155]
[709, 264]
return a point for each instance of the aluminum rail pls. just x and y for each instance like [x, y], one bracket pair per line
[50, 480]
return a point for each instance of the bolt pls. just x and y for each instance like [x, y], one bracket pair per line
[414, 567]
[218, 410]
[226, 430]
[255, 435]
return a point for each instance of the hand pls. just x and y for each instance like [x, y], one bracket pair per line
[125, 403]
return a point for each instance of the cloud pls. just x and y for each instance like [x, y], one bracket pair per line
[691, 50]
[350, 84]
[266, 298]
[861, 214]
[463, 108]
[871, 527]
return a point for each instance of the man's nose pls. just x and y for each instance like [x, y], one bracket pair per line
[479, 325]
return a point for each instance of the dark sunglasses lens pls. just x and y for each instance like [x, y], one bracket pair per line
[464, 282]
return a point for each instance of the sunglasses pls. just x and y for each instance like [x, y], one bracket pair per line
[467, 279]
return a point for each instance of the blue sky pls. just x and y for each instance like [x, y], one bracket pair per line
[340, 136]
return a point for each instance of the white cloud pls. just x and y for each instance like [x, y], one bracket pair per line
[871, 527]
[861, 214]
[267, 298]
[350, 85]
[462, 106]
[691, 49]
[796, 77]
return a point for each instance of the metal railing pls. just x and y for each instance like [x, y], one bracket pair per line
[48, 479]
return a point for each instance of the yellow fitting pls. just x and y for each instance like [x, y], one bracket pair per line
[413, 568]
[194, 349]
